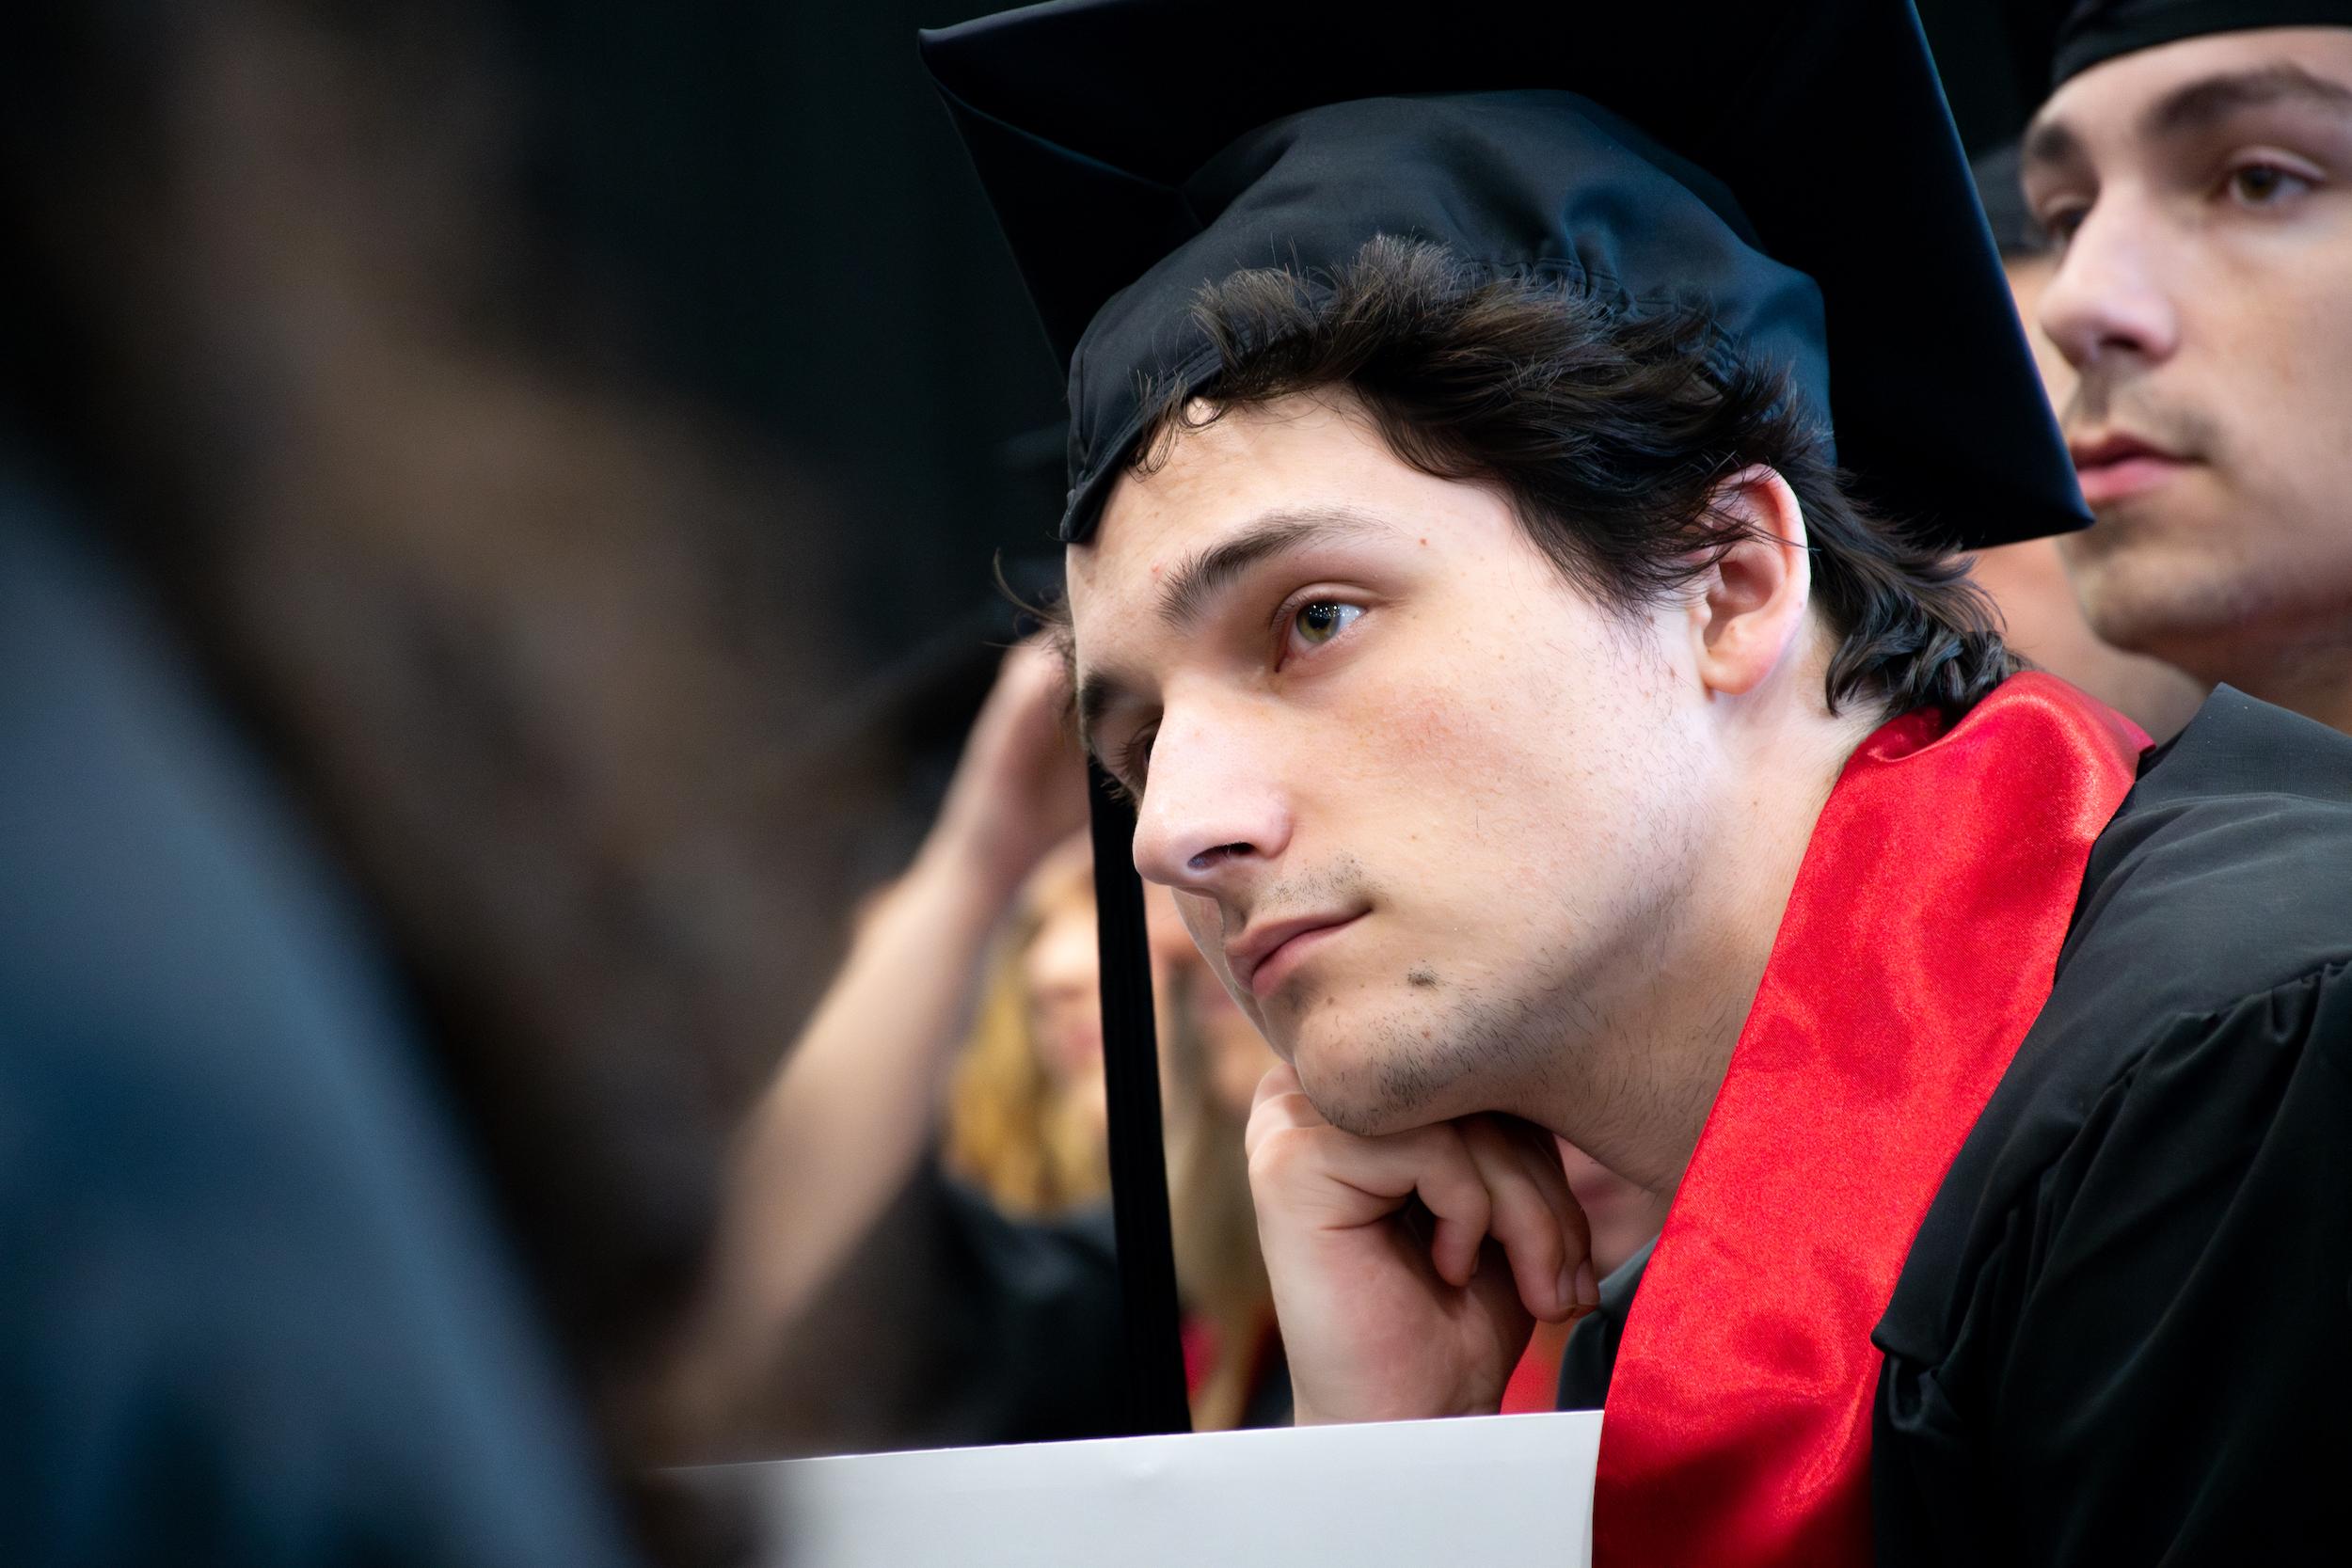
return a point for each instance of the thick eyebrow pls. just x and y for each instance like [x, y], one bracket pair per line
[1191, 588]
[2047, 142]
[2204, 104]
[1187, 594]
[2197, 107]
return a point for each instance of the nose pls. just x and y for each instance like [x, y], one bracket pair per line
[2109, 299]
[1212, 815]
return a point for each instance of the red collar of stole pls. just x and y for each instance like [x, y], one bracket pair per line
[1920, 944]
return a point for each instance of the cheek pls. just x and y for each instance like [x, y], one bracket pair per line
[1423, 760]
[1476, 701]
[2307, 443]
[1487, 788]
[2273, 368]
[2139, 579]
[2182, 582]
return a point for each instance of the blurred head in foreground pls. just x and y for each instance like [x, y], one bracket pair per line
[507, 616]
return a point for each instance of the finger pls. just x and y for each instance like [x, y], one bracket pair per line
[1574, 1221]
[1525, 1220]
[1281, 1078]
[1547, 1166]
[1525, 1223]
[1447, 1181]
[1430, 1164]
[1306, 1169]
[1025, 700]
[1279, 1104]
[1542, 1150]
[1033, 677]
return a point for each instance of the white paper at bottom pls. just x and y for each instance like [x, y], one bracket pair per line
[1430, 1494]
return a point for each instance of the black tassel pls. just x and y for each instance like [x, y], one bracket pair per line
[1155, 1400]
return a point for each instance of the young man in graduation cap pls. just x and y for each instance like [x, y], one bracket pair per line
[1483, 578]
[2194, 163]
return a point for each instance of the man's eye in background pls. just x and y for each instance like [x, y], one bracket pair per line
[1321, 620]
[2060, 223]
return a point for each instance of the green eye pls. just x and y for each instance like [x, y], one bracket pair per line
[1322, 620]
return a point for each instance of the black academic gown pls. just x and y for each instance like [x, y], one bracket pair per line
[2123, 1332]
[956, 1323]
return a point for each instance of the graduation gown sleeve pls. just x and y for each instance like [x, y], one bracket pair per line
[2151, 1361]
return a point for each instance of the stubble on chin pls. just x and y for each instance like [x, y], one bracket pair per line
[2183, 590]
[1437, 1055]
[2159, 574]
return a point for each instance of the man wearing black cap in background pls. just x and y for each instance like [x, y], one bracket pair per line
[2194, 163]
[1544, 739]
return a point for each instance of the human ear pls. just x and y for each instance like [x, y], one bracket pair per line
[1750, 604]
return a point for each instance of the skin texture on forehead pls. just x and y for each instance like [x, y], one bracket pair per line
[1507, 804]
[2202, 299]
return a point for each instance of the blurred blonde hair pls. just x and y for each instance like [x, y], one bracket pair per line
[1035, 1146]
[1012, 1131]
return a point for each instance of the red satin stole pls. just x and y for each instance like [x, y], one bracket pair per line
[1919, 943]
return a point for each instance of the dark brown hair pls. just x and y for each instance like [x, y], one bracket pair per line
[1609, 431]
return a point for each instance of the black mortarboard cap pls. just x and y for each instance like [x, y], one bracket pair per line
[2097, 31]
[1791, 167]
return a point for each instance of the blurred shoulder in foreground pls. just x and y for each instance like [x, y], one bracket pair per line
[252, 1306]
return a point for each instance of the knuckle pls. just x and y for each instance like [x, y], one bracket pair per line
[1278, 1154]
[1546, 1244]
[1275, 1113]
[1531, 1223]
[1458, 1192]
